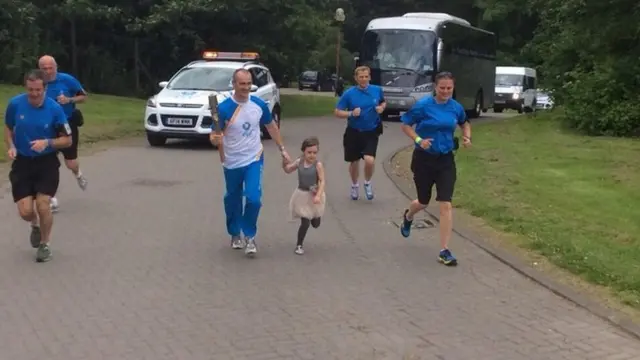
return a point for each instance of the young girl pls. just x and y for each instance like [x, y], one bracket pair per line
[308, 199]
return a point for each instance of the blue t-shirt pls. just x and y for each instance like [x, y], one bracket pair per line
[66, 85]
[366, 99]
[435, 121]
[30, 123]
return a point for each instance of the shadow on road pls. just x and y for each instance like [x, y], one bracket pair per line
[195, 145]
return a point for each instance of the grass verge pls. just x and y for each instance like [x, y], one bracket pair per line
[106, 117]
[307, 105]
[573, 199]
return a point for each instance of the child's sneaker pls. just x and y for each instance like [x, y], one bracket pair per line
[299, 250]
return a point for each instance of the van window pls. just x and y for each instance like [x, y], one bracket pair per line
[530, 83]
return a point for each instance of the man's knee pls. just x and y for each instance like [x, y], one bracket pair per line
[369, 160]
[254, 198]
[43, 204]
[25, 209]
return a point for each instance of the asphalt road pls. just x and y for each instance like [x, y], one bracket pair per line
[142, 269]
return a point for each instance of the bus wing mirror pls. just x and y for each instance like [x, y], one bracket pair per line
[439, 52]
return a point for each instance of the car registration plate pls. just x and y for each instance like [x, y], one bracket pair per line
[179, 121]
[499, 102]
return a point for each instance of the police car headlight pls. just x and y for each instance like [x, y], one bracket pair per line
[516, 96]
[151, 102]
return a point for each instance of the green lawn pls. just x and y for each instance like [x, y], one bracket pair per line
[573, 199]
[112, 117]
[307, 105]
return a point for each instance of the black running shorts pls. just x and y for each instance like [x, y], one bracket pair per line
[428, 170]
[32, 176]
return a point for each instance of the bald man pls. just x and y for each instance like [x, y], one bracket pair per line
[241, 116]
[67, 91]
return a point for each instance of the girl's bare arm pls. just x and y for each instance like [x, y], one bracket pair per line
[321, 182]
[290, 167]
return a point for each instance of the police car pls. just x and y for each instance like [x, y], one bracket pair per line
[543, 100]
[181, 109]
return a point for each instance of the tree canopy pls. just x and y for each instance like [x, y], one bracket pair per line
[586, 52]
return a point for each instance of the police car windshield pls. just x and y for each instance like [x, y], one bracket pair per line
[202, 78]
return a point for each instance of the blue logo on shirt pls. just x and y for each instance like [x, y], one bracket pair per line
[247, 129]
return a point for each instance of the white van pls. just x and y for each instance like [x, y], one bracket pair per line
[515, 88]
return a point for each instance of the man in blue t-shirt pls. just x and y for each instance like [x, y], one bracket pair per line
[67, 91]
[242, 155]
[361, 105]
[35, 129]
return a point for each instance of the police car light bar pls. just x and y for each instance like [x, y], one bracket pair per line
[215, 55]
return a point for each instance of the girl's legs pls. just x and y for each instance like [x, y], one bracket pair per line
[302, 231]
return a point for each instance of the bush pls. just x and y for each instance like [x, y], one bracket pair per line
[601, 102]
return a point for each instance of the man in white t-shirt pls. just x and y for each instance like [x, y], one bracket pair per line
[241, 116]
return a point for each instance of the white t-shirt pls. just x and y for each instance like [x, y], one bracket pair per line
[242, 144]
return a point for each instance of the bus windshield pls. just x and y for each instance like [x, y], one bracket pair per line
[398, 49]
[399, 57]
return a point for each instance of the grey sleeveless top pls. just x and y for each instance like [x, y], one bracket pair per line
[307, 176]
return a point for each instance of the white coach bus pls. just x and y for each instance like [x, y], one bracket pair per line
[406, 52]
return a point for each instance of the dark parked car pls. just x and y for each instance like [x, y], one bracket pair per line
[316, 81]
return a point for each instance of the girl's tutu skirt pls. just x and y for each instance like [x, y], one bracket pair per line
[301, 205]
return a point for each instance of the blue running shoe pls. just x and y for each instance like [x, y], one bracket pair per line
[405, 228]
[447, 258]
